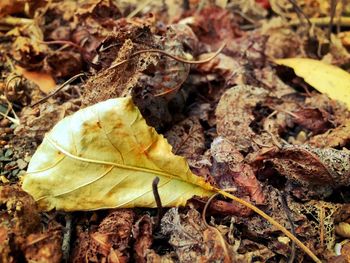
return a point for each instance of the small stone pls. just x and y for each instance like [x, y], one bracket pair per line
[4, 123]
[15, 172]
[8, 153]
[27, 158]
[8, 130]
[21, 164]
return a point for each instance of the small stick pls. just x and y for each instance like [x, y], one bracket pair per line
[58, 89]
[67, 237]
[333, 8]
[63, 42]
[292, 227]
[158, 201]
[323, 21]
[139, 9]
[194, 62]
[300, 12]
[206, 208]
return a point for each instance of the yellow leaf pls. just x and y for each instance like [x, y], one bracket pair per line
[106, 156]
[343, 229]
[326, 78]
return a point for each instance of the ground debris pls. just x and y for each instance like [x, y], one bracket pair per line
[244, 124]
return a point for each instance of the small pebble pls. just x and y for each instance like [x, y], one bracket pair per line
[4, 123]
[8, 153]
[21, 164]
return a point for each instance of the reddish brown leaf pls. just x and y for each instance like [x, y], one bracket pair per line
[142, 232]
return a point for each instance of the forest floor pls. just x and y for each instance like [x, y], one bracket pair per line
[207, 76]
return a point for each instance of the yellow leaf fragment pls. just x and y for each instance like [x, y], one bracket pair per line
[326, 78]
[106, 156]
[343, 229]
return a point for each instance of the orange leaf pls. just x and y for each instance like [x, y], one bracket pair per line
[44, 80]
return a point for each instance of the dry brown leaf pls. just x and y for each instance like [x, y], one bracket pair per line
[234, 115]
[142, 232]
[311, 166]
[109, 242]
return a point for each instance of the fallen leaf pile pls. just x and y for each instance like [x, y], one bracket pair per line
[174, 131]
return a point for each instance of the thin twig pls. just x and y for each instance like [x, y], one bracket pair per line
[63, 42]
[158, 201]
[323, 21]
[14, 120]
[292, 227]
[333, 8]
[58, 89]
[139, 9]
[194, 62]
[67, 238]
[300, 12]
[206, 208]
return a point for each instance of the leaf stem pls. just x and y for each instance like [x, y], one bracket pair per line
[271, 221]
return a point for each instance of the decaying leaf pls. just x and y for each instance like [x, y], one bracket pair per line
[106, 156]
[230, 172]
[142, 232]
[311, 166]
[44, 247]
[193, 240]
[337, 137]
[234, 115]
[324, 77]
[109, 242]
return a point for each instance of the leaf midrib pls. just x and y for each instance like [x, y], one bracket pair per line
[125, 166]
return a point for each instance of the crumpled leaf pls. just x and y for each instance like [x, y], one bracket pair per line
[230, 172]
[192, 240]
[326, 78]
[142, 232]
[235, 125]
[337, 137]
[109, 242]
[106, 156]
[311, 166]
